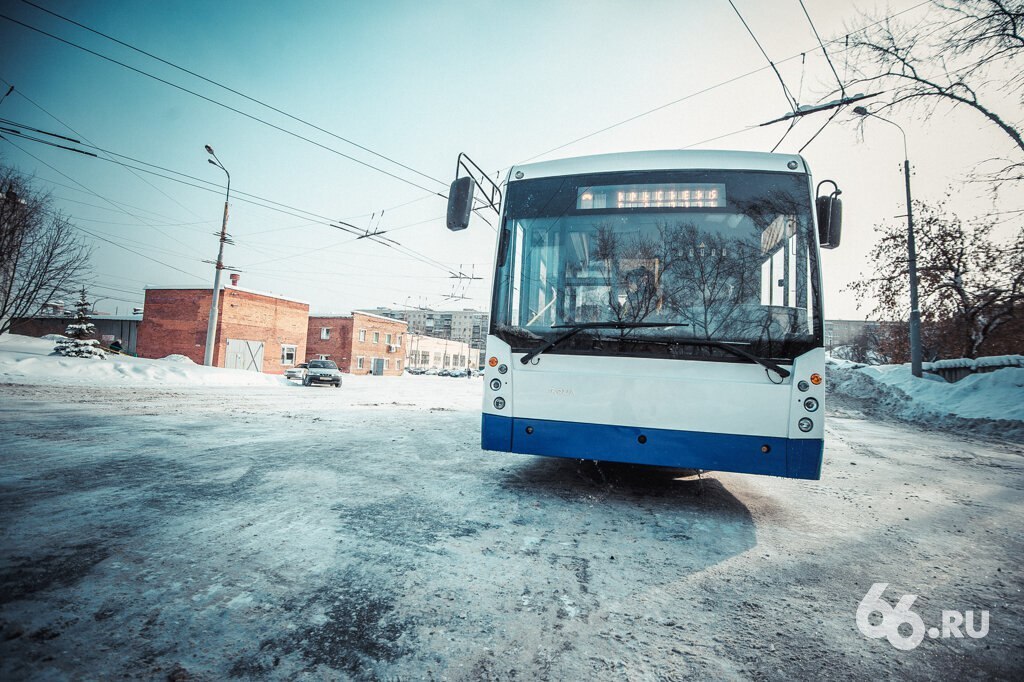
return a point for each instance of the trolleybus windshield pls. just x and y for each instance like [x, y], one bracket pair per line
[724, 256]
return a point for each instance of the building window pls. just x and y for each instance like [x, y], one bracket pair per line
[387, 339]
[362, 335]
[398, 364]
[398, 340]
[387, 363]
[288, 355]
[325, 333]
[325, 357]
[359, 362]
[376, 337]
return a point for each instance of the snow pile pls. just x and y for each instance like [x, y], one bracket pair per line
[28, 360]
[991, 402]
[176, 357]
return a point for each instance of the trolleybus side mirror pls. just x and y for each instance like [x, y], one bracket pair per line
[460, 203]
[829, 208]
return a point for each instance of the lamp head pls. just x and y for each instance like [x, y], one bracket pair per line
[209, 149]
[860, 111]
[213, 162]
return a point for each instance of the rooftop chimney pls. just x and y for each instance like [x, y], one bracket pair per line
[234, 279]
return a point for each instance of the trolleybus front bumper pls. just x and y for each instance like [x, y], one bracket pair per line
[773, 456]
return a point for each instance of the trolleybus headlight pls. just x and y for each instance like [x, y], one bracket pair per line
[495, 384]
[502, 369]
[804, 424]
[810, 404]
[499, 403]
[803, 386]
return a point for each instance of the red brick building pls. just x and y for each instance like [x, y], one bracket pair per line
[256, 331]
[361, 343]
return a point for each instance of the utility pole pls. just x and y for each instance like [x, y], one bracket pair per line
[211, 327]
[915, 309]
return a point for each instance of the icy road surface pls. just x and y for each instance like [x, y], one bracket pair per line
[282, 532]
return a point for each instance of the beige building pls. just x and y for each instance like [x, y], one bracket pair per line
[424, 352]
[468, 326]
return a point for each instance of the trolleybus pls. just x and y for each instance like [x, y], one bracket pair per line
[659, 308]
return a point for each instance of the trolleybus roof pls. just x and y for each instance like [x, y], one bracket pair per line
[682, 159]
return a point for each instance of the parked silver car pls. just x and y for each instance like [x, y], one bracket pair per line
[296, 372]
[322, 372]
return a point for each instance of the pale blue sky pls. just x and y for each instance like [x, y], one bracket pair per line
[418, 82]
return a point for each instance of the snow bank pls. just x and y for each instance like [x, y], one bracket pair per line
[994, 401]
[28, 360]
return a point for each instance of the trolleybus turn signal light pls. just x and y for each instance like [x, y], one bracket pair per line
[815, 379]
[493, 362]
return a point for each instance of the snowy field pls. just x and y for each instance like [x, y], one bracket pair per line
[165, 521]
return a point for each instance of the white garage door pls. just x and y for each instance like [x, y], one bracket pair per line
[243, 354]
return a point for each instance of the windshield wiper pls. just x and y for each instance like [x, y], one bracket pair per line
[576, 328]
[739, 352]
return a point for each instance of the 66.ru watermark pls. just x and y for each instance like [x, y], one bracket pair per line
[904, 629]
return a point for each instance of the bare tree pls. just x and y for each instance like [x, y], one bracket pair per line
[970, 286]
[41, 256]
[966, 53]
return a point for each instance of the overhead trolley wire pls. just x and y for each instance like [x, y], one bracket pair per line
[346, 227]
[713, 87]
[236, 92]
[97, 195]
[789, 96]
[66, 125]
[223, 105]
[842, 86]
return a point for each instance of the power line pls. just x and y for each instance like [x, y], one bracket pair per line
[222, 105]
[712, 87]
[80, 228]
[66, 125]
[344, 226]
[792, 100]
[236, 92]
[842, 87]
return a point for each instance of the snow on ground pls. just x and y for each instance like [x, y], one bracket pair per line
[29, 360]
[152, 529]
[990, 402]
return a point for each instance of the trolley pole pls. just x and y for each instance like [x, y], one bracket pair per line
[915, 308]
[211, 327]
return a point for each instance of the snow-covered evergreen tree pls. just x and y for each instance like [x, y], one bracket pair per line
[78, 344]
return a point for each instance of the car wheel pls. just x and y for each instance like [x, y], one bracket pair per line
[337, 385]
[305, 381]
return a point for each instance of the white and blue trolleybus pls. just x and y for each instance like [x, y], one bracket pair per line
[659, 308]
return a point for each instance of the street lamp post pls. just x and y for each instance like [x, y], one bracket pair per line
[211, 327]
[915, 310]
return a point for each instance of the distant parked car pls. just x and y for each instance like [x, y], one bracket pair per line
[432, 371]
[457, 373]
[322, 372]
[296, 372]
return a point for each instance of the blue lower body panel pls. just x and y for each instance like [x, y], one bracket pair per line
[791, 458]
